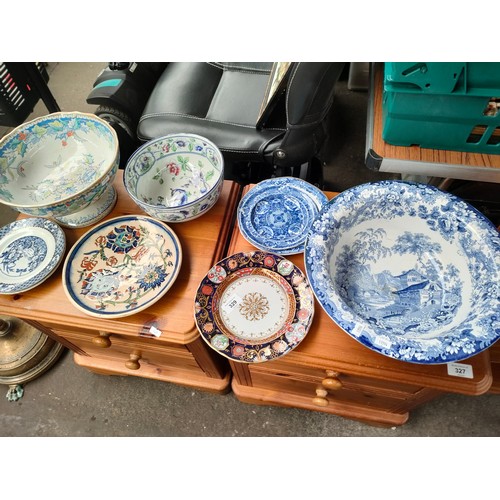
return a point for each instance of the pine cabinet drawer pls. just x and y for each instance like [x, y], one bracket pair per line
[334, 380]
[131, 354]
[104, 340]
[363, 395]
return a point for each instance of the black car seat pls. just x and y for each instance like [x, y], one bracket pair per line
[222, 102]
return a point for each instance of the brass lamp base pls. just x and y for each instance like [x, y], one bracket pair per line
[25, 353]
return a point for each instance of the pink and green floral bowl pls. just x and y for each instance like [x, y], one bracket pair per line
[175, 178]
[58, 164]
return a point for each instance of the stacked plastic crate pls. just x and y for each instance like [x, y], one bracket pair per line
[442, 105]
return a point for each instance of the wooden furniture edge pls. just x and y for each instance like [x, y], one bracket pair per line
[179, 377]
[371, 416]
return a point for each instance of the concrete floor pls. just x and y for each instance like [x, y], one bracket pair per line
[70, 401]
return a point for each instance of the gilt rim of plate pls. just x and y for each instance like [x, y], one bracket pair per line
[290, 333]
[96, 233]
[304, 191]
[436, 209]
[51, 253]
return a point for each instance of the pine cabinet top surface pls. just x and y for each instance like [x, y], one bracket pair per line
[203, 242]
[327, 346]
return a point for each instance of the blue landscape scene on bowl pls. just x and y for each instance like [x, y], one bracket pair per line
[408, 270]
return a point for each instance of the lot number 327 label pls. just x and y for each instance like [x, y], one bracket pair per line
[460, 370]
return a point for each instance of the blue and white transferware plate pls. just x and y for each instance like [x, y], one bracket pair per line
[254, 306]
[276, 214]
[122, 266]
[30, 251]
[408, 270]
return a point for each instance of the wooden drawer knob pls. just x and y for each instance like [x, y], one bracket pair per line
[102, 340]
[331, 381]
[332, 384]
[133, 361]
[320, 399]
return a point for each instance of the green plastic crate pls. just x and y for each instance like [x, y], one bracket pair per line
[449, 105]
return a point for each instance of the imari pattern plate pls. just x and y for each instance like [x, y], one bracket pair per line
[122, 266]
[254, 306]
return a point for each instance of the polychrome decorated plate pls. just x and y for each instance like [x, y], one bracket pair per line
[276, 214]
[30, 251]
[408, 270]
[122, 266]
[254, 306]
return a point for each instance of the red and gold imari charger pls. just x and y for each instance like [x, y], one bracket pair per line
[254, 306]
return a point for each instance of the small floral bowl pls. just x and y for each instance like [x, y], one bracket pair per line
[58, 164]
[175, 178]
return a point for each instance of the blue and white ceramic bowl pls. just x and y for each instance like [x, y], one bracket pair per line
[58, 164]
[175, 178]
[407, 270]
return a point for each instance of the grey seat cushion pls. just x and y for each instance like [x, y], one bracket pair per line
[220, 101]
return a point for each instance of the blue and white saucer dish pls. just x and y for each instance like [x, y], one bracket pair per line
[408, 270]
[276, 214]
[30, 251]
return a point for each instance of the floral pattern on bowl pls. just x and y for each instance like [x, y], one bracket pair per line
[122, 266]
[57, 164]
[176, 177]
[408, 270]
[253, 307]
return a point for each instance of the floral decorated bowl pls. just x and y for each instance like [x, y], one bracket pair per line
[175, 178]
[57, 165]
[408, 270]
